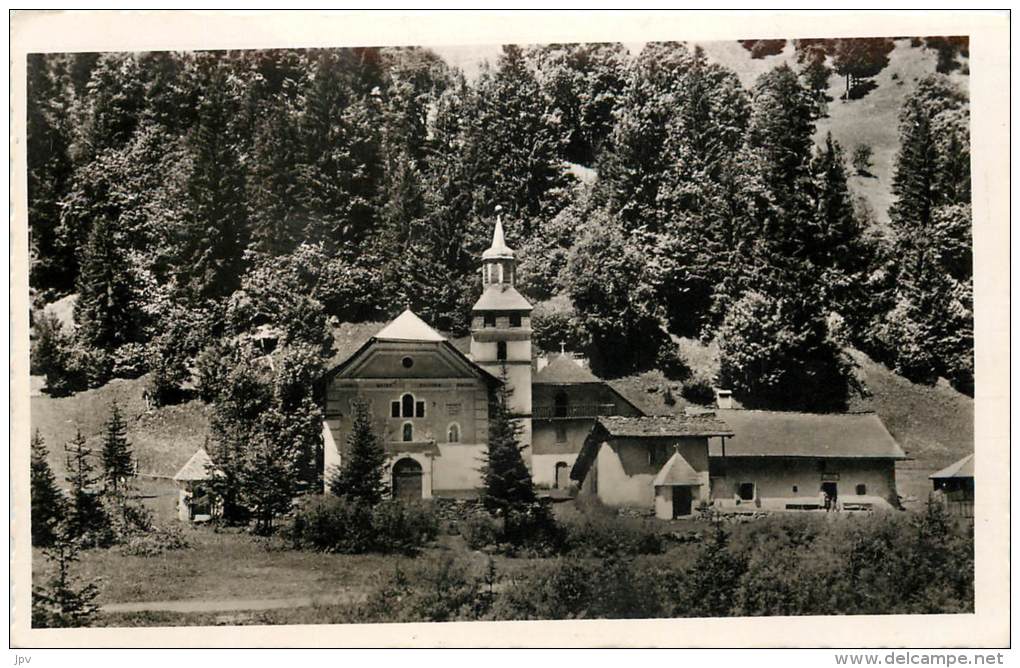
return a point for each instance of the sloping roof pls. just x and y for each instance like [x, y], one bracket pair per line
[791, 434]
[663, 426]
[677, 471]
[501, 298]
[498, 249]
[961, 469]
[408, 327]
[564, 371]
[196, 468]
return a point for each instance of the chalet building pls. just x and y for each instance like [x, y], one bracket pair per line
[953, 487]
[740, 461]
[779, 460]
[656, 463]
[567, 399]
[429, 401]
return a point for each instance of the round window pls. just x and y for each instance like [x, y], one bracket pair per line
[407, 362]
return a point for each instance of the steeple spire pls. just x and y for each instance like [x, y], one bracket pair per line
[498, 249]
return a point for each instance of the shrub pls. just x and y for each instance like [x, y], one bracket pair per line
[670, 362]
[440, 591]
[480, 530]
[350, 526]
[403, 528]
[155, 541]
[572, 589]
[698, 390]
[605, 535]
[129, 361]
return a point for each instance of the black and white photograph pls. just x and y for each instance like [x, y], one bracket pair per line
[357, 334]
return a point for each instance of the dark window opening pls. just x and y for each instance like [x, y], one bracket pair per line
[795, 489]
[419, 409]
[746, 491]
[407, 362]
[861, 489]
[489, 320]
[394, 409]
[515, 320]
[407, 406]
[501, 350]
[561, 404]
[408, 432]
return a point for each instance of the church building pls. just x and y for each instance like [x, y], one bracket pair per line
[429, 401]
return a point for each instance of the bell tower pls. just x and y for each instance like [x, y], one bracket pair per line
[501, 328]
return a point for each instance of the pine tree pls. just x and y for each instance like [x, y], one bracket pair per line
[712, 581]
[105, 311]
[118, 461]
[361, 474]
[64, 602]
[87, 520]
[508, 487]
[49, 505]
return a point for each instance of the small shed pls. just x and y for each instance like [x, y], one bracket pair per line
[195, 501]
[953, 487]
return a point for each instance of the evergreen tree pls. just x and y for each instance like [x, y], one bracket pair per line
[64, 602]
[216, 231]
[87, 520]
[49, 505]
[105, 311]
[712, 581]
[361, 474]
[508, 487]
[118, 461]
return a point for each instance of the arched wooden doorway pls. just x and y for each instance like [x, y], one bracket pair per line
[407, 477]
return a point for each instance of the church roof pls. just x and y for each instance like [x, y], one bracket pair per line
[677, 471]
[408, 327]
[498, 250]
[501, 298]
[961, 469]
[197, 468]
[562, 370]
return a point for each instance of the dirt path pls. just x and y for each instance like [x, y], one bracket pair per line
[233, 604]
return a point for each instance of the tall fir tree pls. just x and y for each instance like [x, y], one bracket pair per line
[105, 311]
[64, 602]
[118, 460]
[360, 477]
[87, 520]
[508, 487]
[49, 505]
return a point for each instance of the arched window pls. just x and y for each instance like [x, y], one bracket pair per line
[407, 406]
[501, 350]
[561, 404]
[453, 433]
[562, 475]
[408, 434]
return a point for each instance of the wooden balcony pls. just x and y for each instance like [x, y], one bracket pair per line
[572, 411]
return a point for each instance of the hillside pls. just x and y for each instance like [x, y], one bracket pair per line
[163, 439]
[872, 120]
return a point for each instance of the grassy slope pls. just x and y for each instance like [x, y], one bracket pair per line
[163, 439]
[871, 120]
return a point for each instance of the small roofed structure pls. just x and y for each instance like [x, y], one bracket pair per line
[195, 502]
[657, 463]
[953, 487]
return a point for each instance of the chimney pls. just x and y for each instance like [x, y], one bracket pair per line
[723, 398]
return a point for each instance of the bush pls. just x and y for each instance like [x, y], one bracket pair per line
[349, 526]
[480, 530]
[698, 390]
[441, 591]
[571, 589]
[670, 362]
[129, 361]
[600, 535]
[155, 541]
